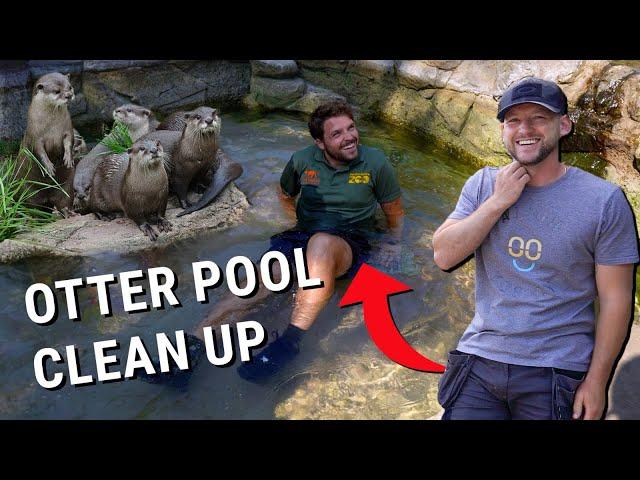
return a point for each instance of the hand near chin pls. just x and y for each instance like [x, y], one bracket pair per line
[510, 183]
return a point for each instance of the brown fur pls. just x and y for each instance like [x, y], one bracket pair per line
[50, 138]
[192, 151]
[123, 183]
[139, 120]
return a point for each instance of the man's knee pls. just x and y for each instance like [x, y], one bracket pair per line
[326, 250]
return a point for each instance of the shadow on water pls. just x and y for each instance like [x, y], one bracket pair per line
[339, 372]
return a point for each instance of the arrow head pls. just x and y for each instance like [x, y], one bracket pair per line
[371, 283]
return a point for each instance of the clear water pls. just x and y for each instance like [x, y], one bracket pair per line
[339, 373]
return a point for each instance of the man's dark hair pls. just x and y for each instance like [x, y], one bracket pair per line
[325, 111]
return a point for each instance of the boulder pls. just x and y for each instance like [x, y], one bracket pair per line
[277, 93]
[373, 69]
[85, 235]
[106, 65]
[419, 74]
[274, 68]
[313, 98]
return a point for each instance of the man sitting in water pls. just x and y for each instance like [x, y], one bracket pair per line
[339, 183]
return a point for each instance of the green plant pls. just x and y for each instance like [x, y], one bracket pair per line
[16, 213]
[118, 139]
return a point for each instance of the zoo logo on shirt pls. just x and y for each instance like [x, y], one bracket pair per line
[531, 250]
[310, 177]
[359, 177]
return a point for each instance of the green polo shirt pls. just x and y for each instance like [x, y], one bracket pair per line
[342, 198]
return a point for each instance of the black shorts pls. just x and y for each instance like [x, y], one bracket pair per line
[288, 240]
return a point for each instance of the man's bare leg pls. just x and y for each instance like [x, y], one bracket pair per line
[231, 309]
[328, 257]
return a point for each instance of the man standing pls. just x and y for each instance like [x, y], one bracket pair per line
[339, 184]
[548, 239]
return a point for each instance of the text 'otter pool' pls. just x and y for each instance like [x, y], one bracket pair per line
[166, 289]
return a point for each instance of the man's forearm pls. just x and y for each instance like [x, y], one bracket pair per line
[453, 243]
[288, 203]
[395, 218]
[611, 330]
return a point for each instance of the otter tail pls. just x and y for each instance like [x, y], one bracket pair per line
[227, 172]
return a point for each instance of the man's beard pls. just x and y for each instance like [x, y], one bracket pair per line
[545, 150]
[339, 155]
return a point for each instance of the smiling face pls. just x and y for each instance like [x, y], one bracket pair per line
[340, 139]
[531, 133]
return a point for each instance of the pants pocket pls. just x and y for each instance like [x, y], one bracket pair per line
[458, 367]
[564, 384]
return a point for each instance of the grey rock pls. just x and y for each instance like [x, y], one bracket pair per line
[13, 77]
[373, 69]
[38, 68]
[226, 82]
[274, 93]
[443, 64]
[86, 236]
[509, 72]
[106, 65]
[339, 65]
[609, 98]
[162, 88]
[313, 98]
[477, 77]
[274, 68]
[14, 104]
[418, 74]
[78, 106]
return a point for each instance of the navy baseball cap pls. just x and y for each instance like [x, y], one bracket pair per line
[533, 90]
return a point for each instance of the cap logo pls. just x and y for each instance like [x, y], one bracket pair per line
[528, 90]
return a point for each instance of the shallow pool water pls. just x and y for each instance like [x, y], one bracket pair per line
[339, 373]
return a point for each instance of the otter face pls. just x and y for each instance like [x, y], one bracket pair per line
[147, 153]
[204, 120]
[55, 89]
[132, 115]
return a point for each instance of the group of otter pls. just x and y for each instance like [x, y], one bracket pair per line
[177, 155]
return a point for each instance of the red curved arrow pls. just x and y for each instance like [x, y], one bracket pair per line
[372, 288]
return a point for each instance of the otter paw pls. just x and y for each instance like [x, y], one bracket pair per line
[68, 161]
[149, 231]
[49, 168]
[164, 225]
[68, 213]
[184, 203]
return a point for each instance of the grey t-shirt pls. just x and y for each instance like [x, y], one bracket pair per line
[535, 271]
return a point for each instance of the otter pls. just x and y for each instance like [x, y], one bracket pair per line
[139, 122]
[134, 183]
[79, 145]
[178, 120]
[192, 144]
[49, 136]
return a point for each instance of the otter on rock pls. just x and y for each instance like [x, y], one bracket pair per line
[134, 183]
[139, 122]
[194, 155]
[50, 138]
